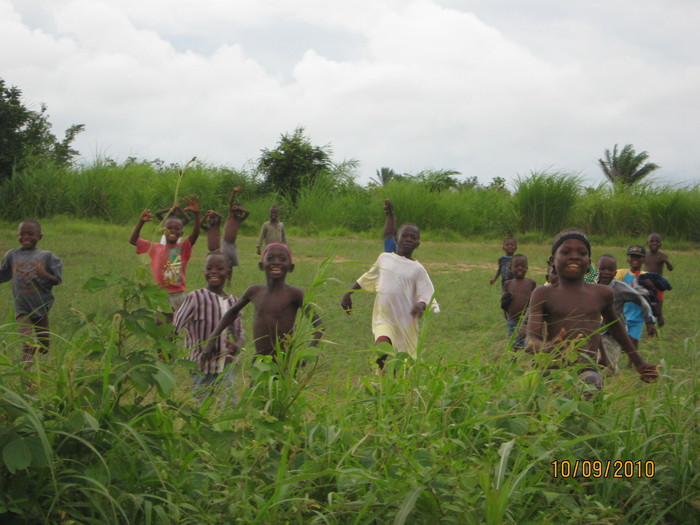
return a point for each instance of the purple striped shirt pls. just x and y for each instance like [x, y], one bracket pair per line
[199, 315]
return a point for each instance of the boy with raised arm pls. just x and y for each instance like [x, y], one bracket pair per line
[403, 290]
[566, 318]
[34, 273]
[212, 224]
[169, 261]
[516, 297]
[276, 305]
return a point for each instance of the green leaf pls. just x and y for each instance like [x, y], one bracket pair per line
[16, 455]
[165, 378]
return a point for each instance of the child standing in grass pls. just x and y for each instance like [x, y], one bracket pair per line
[622, 294]
[633, 312]
[272, 231]
[509, 247]
[516, 297]
[403, 290]
[654, 261]
[34, 273]
[276, 306]
[566, 318]
[199, 314]
[212, 224]
[169, 261]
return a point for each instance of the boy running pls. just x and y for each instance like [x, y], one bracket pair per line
[276, 305]
[654, 261]
[516, 296]
[403, 290]
[34, 273]
[567, 316]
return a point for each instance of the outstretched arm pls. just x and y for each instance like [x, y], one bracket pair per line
[144, 218]
[390, 222]
[648, 373]
[193, 206]
[346, 301]
[226, 320]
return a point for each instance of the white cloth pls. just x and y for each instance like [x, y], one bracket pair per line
[399, 284]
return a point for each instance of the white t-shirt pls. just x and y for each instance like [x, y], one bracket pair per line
[399, 284]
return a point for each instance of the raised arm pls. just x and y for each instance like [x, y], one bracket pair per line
[390, 221]
[237, 214]
[143, 219]
[193, 206]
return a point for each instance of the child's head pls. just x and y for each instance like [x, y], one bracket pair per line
[172, 228]
[274, 213]
[654, 242]
[217, 270]
[509, 246]
[407, 239]
[571, 253]
[635, 256]
[607, 267]
[29, 234]
[276, 260]
[518, 265]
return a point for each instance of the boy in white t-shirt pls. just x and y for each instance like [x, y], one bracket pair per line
[403, 290]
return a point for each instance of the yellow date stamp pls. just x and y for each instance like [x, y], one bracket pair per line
[607, 468]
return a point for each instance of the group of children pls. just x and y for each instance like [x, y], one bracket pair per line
[572, 310]
[563, 315]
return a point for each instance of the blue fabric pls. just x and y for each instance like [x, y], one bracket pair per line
[390, 245]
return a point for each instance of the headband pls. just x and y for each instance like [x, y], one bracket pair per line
[578, 236]
[272, 245]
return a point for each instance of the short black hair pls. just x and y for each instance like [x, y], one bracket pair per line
[31, 221]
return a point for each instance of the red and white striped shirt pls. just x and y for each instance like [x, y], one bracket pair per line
[199, 315]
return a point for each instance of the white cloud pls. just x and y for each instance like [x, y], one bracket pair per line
[406, 84]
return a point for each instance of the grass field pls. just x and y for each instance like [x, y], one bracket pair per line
[465, 435]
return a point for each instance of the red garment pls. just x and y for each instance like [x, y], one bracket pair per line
[168, 262]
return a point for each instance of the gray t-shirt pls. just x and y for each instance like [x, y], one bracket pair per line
[32, 295]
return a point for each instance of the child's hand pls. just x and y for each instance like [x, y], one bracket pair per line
[41, 272]
[239, 212]
[233, 349]
[388, 208]
[418, 309]
[146, 216]
[257, 249]
[491, 281]
[192, 204]
[651, 329]
[346, 303]
[648, 373]
[211, 349]
[211, 218]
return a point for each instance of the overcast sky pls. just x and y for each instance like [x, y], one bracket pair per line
[487, 88]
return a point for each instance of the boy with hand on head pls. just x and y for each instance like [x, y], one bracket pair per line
[211, 223]
[509, 247]
[272, 231]
[34, 273]
[622, 294]
[516, 296]
[566, 318]
[199, 314]
[633, 312]
[654, 261]
[276, 305]
[403, 290]
[169, 261]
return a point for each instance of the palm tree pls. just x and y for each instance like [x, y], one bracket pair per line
[384, 175]
[626, 166]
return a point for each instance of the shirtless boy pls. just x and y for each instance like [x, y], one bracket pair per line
[567, 316]
[276, 305]
[654, 261]
[516, 296]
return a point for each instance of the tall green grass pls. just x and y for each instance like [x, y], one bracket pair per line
[541, 204]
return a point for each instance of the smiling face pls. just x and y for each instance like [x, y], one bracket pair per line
[274, 213]
[635, 262]
[276, 263]
[29, 234]
[571, 260]
[654, 242]
[217, 270]
[518, 266]
[607, 267]
[407, 240]
[509, 246]
[172, 230]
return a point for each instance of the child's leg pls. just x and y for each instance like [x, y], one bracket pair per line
[382, 359]
[40, 327]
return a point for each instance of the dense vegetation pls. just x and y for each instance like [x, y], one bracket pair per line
[100, 431]
[539, 204]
